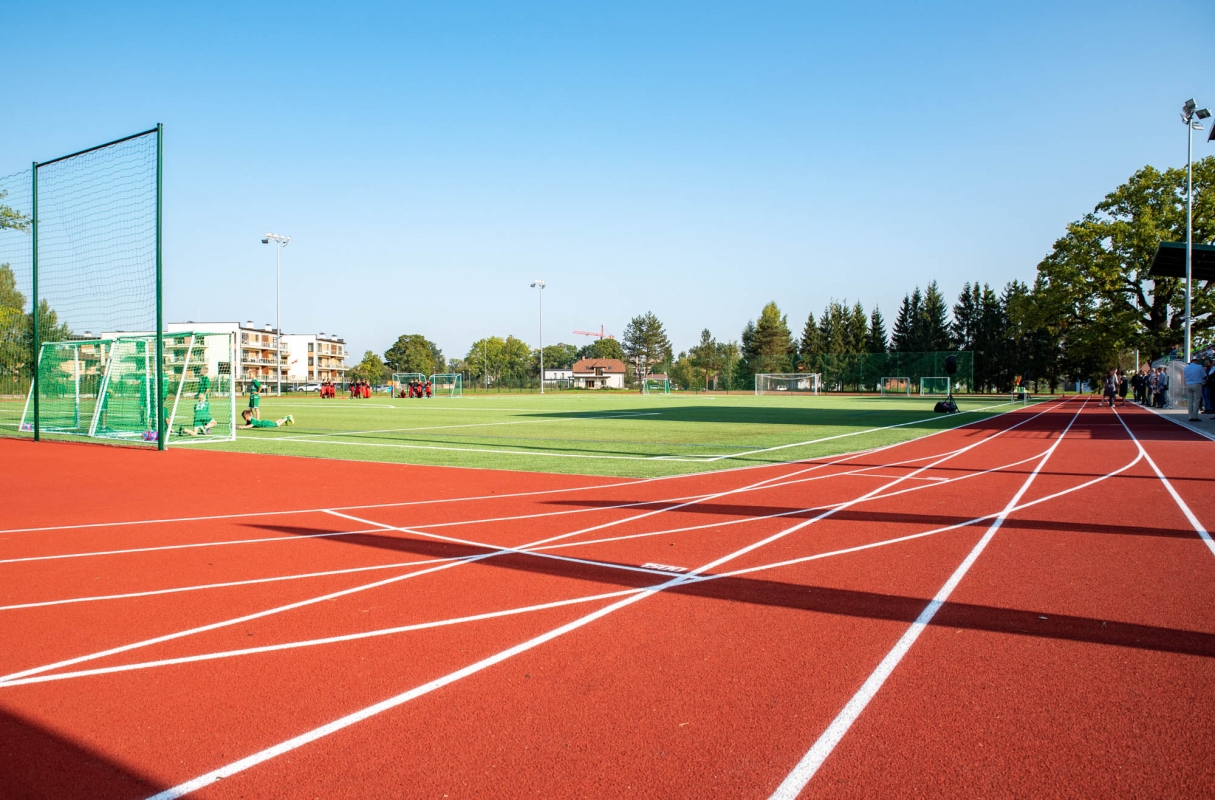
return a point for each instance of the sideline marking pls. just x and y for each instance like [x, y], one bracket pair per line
[796, 781]
[1185, 509]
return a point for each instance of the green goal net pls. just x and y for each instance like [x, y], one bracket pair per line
[106, 389]
[895, 386]
[656, 386]
[447, 384]
[401, 382]
[935, 386]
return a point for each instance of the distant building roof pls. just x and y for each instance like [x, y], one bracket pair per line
[610, 366]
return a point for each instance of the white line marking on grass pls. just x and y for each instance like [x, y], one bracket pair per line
[617, 483]
[805, 770]
[392, 702]
[1185, 509]
[297, 437]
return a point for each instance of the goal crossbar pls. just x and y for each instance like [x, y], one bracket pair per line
[788, 383]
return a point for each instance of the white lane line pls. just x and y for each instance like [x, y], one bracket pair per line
[392, 702]
[624, 592]
[293, 437]
[863, 471]
[187, 546]
[1185, 509]
[845, 435]
[584, 543]
[470, 559]
[810, 763]
[532, 493]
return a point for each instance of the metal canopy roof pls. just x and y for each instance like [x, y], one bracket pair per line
[1169, 261]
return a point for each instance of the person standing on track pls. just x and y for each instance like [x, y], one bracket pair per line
[1111, 387]
[1123, 386]
[1195, 377]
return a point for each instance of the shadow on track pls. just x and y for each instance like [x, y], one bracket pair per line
[38, 763]
[818, 599]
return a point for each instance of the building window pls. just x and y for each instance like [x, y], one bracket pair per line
[310, 361]
[310, 347]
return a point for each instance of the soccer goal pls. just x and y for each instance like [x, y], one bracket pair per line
[106, 388]
[656, 386]
[934, 387]
[447, 384]
[788, 383]
[896, 386]
[401, 381]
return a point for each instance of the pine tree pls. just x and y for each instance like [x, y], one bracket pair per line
[965, 315]
[935, 318]
[903, 336]
[772, 341]
[810, 346]
[858, 329]
[875, 340]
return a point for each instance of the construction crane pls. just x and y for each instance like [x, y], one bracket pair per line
[600, 335]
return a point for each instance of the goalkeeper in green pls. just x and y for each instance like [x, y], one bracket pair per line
[203, 421]
[253, 422]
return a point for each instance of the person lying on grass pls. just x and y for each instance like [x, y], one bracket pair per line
[252, 422]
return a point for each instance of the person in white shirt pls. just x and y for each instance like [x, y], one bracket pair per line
[1195, 376]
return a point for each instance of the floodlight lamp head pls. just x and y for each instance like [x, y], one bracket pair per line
[1202, 113]
[1189, 107]
[265, 241]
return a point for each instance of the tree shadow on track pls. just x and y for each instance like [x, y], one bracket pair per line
[38, 763]
[888, 517]
[818, 599]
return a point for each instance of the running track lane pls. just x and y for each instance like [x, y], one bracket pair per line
[1076, 656]
[136, 687]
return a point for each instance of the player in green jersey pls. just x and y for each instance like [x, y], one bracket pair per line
[252, 422]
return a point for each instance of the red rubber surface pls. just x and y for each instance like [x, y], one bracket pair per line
[708, 688]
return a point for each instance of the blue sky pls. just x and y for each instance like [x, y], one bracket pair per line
[693, 159]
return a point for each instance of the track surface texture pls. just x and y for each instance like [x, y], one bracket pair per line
[1014, 608]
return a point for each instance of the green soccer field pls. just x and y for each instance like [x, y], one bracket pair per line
[597, 434]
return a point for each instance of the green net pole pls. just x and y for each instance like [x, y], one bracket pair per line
[162, 431]
[34, 305]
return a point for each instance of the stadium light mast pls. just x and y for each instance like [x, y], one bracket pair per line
[281, 241]
[1190, 113]
[540, 285]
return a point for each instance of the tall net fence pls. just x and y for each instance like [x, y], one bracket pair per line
[79, 269]
[16, 292]
[864, 372]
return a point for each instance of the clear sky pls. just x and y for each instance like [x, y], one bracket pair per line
[694, 159]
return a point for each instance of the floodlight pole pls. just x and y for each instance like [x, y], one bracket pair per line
[281, 241]
[540, 285]
[1188, 112]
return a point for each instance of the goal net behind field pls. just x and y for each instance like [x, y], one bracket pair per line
[934, 387]
[401, 381]
[447, 384]
[895, 386]
[656, 386]
[789, 383]
[106, 388]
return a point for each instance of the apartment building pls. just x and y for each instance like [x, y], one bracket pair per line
[258, 347]
[312, 358]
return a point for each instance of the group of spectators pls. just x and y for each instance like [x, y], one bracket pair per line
[1151, 386]
[360, 389]
[328, 390]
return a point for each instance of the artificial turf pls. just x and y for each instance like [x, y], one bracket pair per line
[597, 433]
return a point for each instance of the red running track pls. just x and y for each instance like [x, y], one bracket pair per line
[356, 629]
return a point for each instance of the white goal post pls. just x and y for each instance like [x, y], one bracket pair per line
[937, 386]
[788, 383]
[891, 386]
